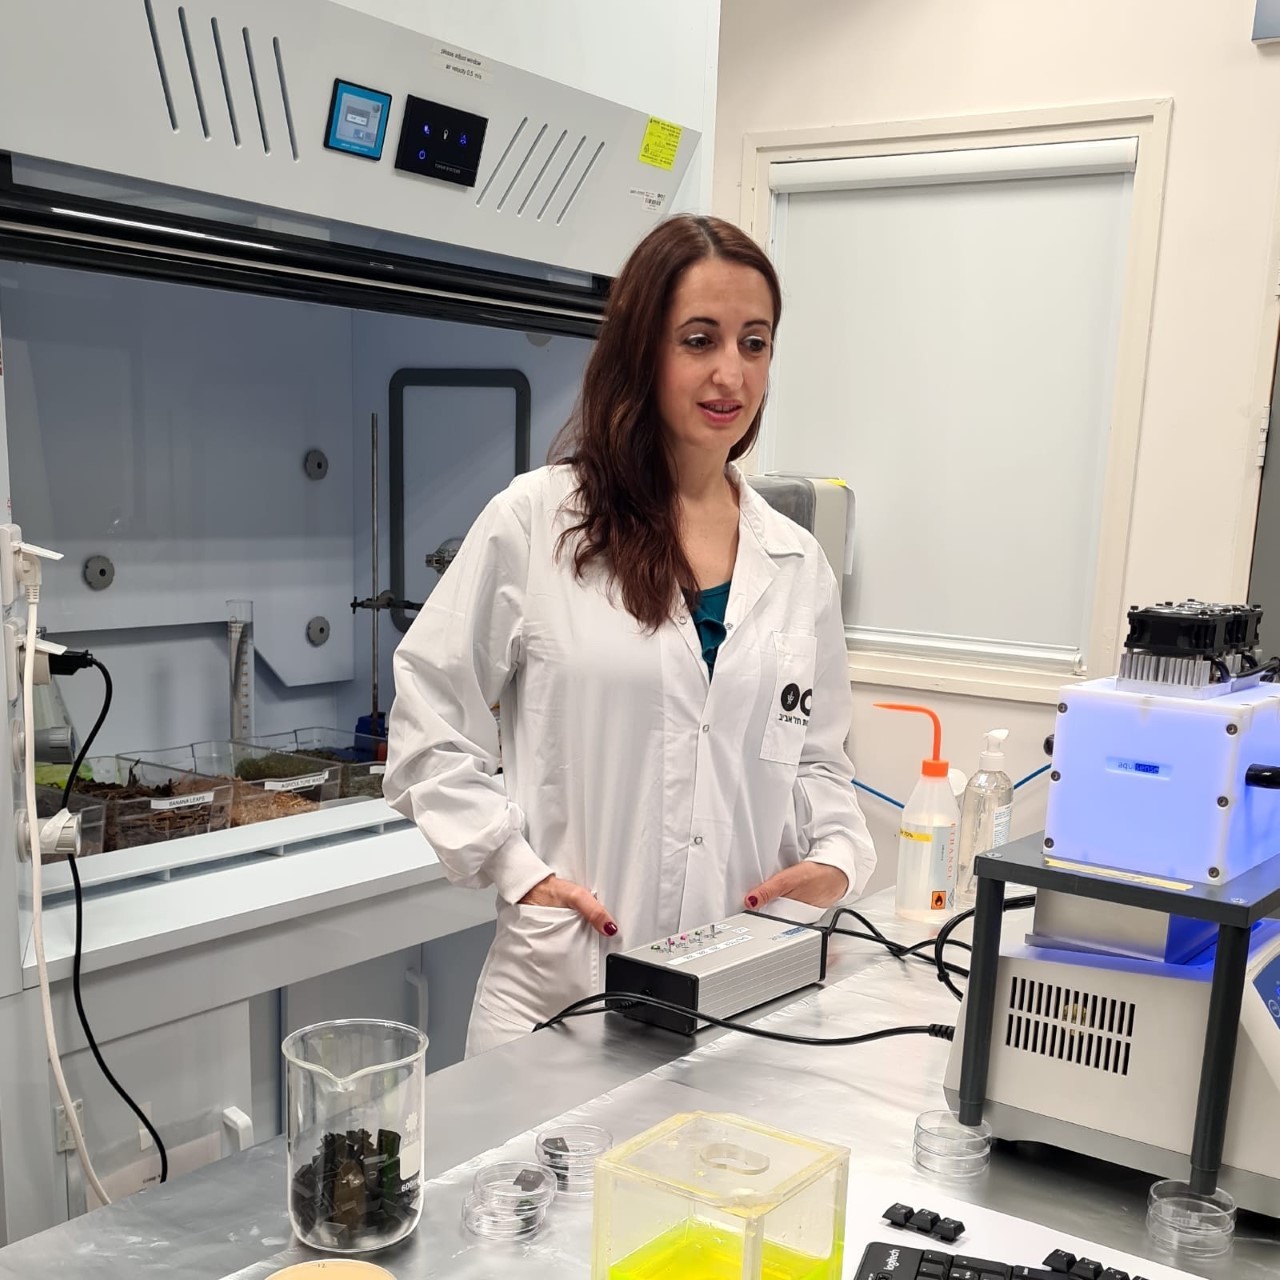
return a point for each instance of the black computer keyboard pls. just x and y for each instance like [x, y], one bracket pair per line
[901, 1262]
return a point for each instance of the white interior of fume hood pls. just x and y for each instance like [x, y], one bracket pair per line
[165, 426]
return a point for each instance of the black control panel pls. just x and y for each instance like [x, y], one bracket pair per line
[440, 142]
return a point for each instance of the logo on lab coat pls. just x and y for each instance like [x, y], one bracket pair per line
[792, 699]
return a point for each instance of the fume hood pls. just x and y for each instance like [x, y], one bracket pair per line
[267, 272]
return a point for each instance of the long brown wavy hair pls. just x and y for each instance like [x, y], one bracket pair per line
[626, 493]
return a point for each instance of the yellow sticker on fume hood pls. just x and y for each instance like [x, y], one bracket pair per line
[661, 142]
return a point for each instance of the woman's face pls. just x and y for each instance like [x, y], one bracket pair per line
[714, 363]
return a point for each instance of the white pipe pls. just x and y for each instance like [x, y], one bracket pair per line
[37, 903]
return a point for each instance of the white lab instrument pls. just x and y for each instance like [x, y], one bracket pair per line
[1113, 1029]
[1101, 1055]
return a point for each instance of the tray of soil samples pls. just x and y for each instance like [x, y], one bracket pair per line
[361, 758]
[267, 784]
[149, 803]
[93, 818]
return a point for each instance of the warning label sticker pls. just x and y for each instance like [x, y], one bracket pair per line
[661, 142]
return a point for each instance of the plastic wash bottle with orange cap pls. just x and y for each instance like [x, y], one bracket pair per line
[927, 836]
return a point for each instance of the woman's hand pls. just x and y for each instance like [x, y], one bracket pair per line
[554, 892]
[813, 882]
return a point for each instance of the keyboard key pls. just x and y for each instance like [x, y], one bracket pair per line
[942, 1259]
[923, 1220]
[1060, 1260]
[898, 1214]
[1085, 1269]
[888, 1261]
[964, 1273]
[948, 1230]
[931, 1271]
[980, 1265]
[1112, 1274]
[1035, 1273]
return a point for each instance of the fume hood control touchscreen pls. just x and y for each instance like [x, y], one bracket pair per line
[357, 120]
[440, 142]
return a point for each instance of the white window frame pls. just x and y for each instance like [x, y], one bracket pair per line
[1013, 672]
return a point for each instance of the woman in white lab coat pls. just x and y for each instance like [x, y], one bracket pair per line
[668, 652]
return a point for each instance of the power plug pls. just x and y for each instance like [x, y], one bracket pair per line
[26, 557]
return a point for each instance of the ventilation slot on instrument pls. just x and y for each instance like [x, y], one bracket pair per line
[284, 97]
[515, 137]
[586, 173]
[160, 67]
[568, 164]
[257, 91]
[542, 173]
[226, 81]
[195, 75]
[542, 133]
[1078, 1027]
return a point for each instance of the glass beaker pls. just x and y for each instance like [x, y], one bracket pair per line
[356, 1100]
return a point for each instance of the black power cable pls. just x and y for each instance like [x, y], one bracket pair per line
[943, 939]
[65, 664]
[617, 1002]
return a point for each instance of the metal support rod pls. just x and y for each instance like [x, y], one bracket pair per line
[373, 418]
[1218, 1064]
[980, 1000]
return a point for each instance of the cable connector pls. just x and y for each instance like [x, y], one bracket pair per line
[69, 661]
[940, 1031]
[26, 560]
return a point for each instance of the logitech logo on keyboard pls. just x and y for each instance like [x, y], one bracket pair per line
[891, 1262]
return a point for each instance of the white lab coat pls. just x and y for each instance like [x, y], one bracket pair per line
[625, 769]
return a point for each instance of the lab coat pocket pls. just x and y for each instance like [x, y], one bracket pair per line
[787, 716]
[542, 959]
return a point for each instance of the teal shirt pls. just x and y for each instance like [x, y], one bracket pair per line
[708, 617]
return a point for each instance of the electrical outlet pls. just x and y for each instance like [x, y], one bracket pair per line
[65, 1141]
[10, 537]
[12, 671]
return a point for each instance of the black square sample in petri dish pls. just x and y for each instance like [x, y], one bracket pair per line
[440, 142]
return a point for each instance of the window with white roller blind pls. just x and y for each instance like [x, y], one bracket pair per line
[953, 331]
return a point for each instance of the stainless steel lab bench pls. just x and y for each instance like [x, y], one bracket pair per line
[229, 1219]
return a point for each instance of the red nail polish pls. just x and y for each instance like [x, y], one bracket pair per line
[753, 901]
[611, 929]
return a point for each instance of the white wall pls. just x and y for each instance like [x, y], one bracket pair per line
[659, 56]
[817, 63]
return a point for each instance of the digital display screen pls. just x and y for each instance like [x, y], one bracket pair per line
[357, 120]
[1142, 768]
[440, 142]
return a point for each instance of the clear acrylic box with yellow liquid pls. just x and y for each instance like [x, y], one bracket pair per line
[717, 1197]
